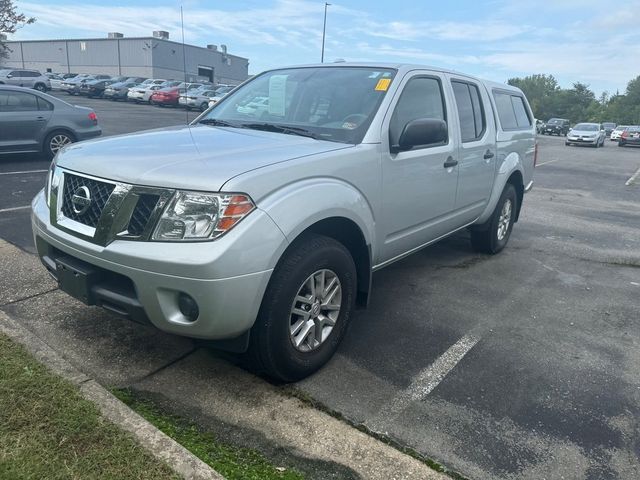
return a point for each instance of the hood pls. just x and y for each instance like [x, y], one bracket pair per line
[584, 133]
[198, 157]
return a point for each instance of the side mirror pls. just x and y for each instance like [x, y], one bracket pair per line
[421, 131]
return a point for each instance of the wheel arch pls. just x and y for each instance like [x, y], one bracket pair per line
[511, 170]
[332, 208]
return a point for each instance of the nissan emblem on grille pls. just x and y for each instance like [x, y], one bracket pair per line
[81, 200]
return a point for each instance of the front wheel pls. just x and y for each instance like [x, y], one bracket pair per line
[492, 236]
[41, 87]
[306, 309]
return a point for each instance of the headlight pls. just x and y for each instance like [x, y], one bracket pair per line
[201, 216]
[48, 181]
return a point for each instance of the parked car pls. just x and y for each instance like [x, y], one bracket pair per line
[617, 132]
[264, 234]
[119, 91]
[25, 78]
[609, 127]
[143, 93]
[55, 82]
[591, 134]
[95, 88]
[196, 99]
[630, 136]
[32, 121]
[67, 76]
[74, 85]
[556, 126]
[165, 97]
[220, 93]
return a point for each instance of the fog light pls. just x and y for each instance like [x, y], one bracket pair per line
[188, 307]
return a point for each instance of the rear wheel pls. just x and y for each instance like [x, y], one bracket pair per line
[492, 236]
[306, 309]
[41, 87]
[57, 140]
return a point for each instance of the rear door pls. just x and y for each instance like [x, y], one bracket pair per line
[477, 147]
[23, 120]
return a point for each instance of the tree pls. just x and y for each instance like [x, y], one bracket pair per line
[10, 22]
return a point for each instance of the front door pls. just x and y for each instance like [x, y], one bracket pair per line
[419, 185]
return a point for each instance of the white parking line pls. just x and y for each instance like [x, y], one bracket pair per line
[25, 171]
[544, 163]
[429, 378]
[633, 178]
[14, 209]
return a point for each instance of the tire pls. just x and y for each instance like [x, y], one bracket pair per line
[487, 238]
[271, 349]
[204, 106]
[620, 144]
[41, 87]
[49, 147]
[567, 143]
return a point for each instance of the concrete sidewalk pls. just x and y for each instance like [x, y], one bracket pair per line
[193, 382]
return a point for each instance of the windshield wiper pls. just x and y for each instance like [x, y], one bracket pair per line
[218, 123]
[272, 127]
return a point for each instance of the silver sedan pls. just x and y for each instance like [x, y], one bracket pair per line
[591, 134]
[32, 121]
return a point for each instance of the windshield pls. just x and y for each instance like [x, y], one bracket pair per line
[326, 103]
[555, 121]
[586, 127]
[609, 125]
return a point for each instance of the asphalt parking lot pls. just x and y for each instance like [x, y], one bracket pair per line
[522, 365]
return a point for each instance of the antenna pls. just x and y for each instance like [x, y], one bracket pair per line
[184, 63]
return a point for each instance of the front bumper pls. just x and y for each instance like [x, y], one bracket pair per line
[227, 277]
[586, 141]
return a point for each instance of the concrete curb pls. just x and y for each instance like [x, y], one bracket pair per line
[164, 448]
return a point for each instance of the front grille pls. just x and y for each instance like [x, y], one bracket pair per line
[100, 192]
[141, 214]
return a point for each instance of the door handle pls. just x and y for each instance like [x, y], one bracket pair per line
[40, 119]
[488, 155]
[450, 163]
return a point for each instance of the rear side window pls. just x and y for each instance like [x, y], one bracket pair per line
[470, 111]
[17, 102]
[421, 98]
[44, 104]
[512, 112]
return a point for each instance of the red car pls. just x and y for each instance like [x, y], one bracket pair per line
[166, 96]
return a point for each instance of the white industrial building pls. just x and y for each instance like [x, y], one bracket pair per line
[153, 57]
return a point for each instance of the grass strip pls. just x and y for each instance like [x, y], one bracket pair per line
[49, 431]
[234, 463]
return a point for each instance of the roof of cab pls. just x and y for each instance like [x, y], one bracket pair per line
[403, 68]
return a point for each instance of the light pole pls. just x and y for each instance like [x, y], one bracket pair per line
[324, 30]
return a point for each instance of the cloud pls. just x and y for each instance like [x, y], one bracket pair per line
[564, 38]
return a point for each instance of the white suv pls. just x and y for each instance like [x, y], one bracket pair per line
[25, 78]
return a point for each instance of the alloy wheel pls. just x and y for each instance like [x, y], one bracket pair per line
[505, 219]
[315, 310]
[58, 141]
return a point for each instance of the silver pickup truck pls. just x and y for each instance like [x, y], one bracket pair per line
[259, 229]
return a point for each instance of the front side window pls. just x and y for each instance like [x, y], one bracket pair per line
[421, 98]
[17, 102]
[470, 111]
[327, 103]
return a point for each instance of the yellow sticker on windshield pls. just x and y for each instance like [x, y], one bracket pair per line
[383, 84]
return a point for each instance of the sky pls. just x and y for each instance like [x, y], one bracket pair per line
[589, 41]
